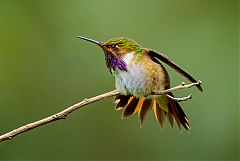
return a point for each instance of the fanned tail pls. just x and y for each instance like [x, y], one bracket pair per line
[175, 112]
[133, 104]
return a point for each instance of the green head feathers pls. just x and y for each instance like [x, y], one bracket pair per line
[124, 43]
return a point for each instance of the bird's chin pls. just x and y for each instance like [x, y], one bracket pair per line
[114, 63]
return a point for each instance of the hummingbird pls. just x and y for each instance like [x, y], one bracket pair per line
[139, 72]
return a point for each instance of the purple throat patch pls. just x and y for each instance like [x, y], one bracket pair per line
[113, 62]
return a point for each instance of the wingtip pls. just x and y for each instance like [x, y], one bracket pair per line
[199, 86]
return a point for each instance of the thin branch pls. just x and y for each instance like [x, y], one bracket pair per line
[63, 114]
[182, 86]
[60, 115]
[179, 99]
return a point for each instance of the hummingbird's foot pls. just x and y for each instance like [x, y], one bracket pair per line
[146, 95]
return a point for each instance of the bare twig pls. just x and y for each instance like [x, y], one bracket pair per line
[182, 86]
[60, 115]
[179, 99]
[63, 114]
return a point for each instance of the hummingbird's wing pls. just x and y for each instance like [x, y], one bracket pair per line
[165, 59]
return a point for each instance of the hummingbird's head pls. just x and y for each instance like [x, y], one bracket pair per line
[115, 49]
[120, 46]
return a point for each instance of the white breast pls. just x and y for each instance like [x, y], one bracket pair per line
[134, 81]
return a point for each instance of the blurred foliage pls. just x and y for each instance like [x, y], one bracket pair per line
[44, 68]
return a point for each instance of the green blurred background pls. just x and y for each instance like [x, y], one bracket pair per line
[44, 68]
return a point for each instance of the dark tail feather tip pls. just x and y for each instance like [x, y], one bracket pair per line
[178, 113]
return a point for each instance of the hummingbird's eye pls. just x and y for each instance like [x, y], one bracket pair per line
[113, 46]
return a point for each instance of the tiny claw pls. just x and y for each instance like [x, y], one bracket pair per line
[146, 95]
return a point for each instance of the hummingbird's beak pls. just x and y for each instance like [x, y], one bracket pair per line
[90, 40]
